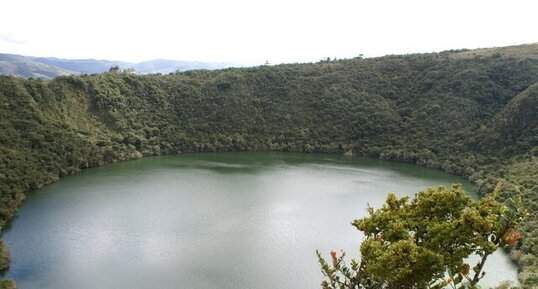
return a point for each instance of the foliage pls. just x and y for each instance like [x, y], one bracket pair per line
[4, 255]
[416, 243]
[7, 284]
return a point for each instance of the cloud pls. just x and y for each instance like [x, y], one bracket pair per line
[9, 38]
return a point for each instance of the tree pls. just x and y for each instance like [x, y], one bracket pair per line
[114, 69]
[418, 243]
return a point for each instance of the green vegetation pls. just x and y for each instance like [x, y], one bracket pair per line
[470, 116]
[4, 255]
[7, 284]
[415, 244]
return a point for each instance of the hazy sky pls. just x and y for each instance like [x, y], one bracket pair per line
[252, 31]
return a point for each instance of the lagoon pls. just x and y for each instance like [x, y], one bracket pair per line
[207, 220]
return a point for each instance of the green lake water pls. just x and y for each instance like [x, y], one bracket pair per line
[207, 220]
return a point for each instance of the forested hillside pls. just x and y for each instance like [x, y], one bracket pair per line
[470, 115]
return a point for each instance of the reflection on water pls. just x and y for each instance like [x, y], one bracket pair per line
[230, 220]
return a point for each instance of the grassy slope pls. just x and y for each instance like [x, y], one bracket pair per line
[471, 116]
[529, 51]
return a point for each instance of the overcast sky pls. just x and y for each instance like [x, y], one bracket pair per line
[252, 31]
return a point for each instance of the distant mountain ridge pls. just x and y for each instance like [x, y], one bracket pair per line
[50, 67]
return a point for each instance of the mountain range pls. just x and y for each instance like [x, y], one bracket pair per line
[50, 67]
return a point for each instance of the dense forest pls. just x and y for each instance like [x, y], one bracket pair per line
[469, 114]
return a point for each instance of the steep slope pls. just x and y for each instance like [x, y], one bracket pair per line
[517, 123]
[474, 117]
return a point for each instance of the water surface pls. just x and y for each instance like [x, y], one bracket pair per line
[227, 220]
